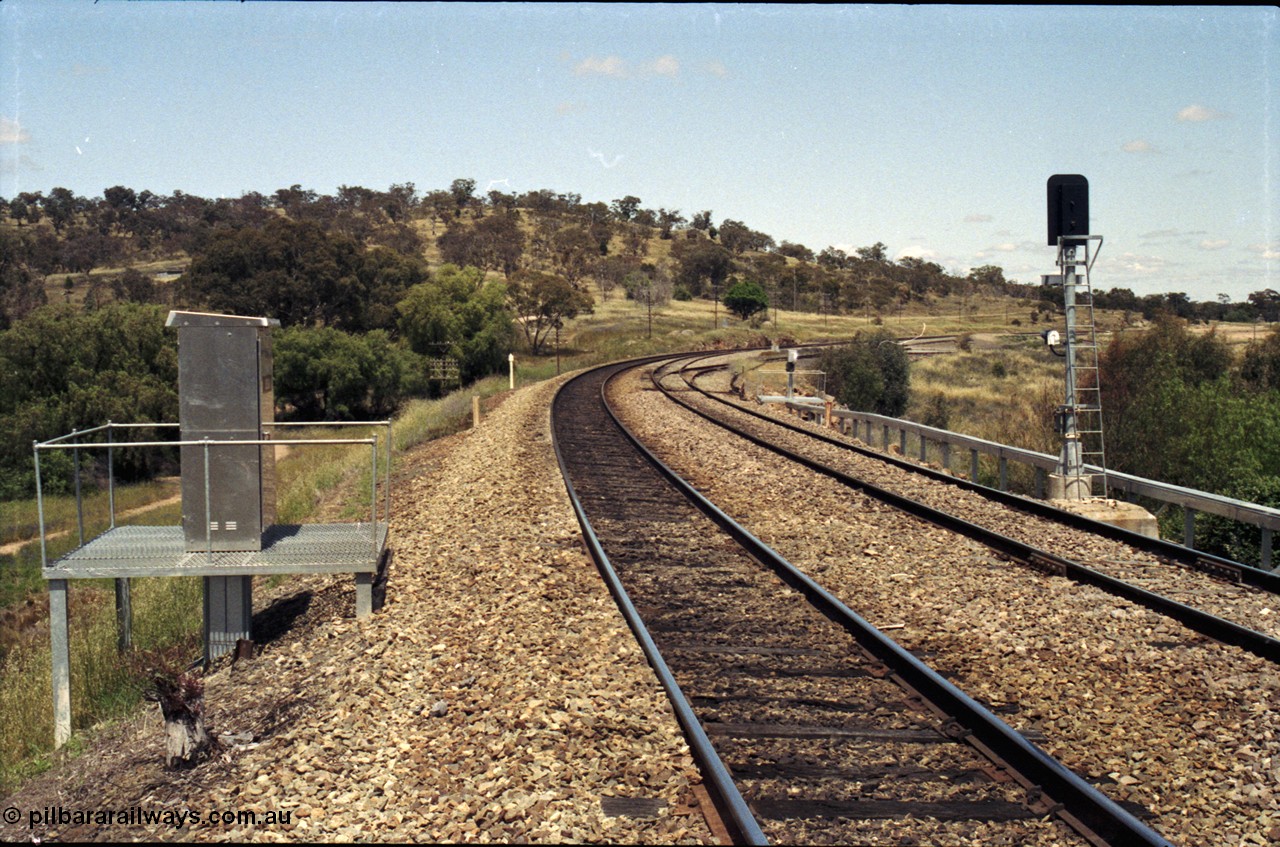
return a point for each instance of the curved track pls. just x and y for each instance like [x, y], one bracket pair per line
[822, 727]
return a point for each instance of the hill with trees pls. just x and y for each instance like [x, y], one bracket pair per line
[381, 292]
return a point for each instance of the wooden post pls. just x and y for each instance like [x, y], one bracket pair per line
[181, 700]
[475, 410]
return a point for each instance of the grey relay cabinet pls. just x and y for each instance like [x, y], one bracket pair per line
[225, 394]
[229, 533]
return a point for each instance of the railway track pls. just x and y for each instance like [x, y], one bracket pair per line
[808, 723]
[1222, 600]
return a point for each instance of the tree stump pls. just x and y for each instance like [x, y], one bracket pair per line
[181, 699]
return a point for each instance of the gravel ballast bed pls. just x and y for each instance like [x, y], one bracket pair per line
[1161, 716]
[1246, 606]
[497, 697]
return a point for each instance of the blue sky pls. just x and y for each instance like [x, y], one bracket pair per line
[929, 128]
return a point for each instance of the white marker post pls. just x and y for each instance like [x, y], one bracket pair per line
[511, 365]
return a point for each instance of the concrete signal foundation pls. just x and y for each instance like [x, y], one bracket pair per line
[1128, 516]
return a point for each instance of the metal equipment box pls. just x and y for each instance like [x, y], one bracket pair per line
[225, 393]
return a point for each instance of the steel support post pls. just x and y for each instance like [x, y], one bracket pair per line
[61, 661]
[973, 465]
[1188, 527]
[364, 595]
[1004, 474]
[1266, 549]
[111, 477]
[228, 613]
[1071, 464]
[79, 500]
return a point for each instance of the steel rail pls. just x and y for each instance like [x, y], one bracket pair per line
[732, 808]
[1079, 804]
[1195, 559]
[1214, 627]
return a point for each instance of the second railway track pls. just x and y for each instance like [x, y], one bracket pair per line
[1161, 574]
[1185, 726]
[818, 718]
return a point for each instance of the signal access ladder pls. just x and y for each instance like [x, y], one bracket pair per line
[1083, 355]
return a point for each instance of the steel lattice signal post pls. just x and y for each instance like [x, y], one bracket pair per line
[1079, 418]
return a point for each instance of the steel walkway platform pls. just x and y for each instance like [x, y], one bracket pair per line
[128, 551]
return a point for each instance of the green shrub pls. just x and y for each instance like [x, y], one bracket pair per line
[869, 374]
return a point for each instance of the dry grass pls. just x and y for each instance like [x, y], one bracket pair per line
[105, 684]
[19, 519]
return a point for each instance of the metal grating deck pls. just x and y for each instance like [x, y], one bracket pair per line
[161, 551]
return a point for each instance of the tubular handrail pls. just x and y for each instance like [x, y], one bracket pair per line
[63, 443]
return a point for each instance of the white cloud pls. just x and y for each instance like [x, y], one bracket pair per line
[1140, 265]
[599, 157]
[665, 66]
[1265, 251]
[1214, 243]
[11, 132]
[918, 251]
[978, 219]
[1140, 146]
[1007, 247]
[608, 66]
[616, 67]
[1196, 113]
[717, 69]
